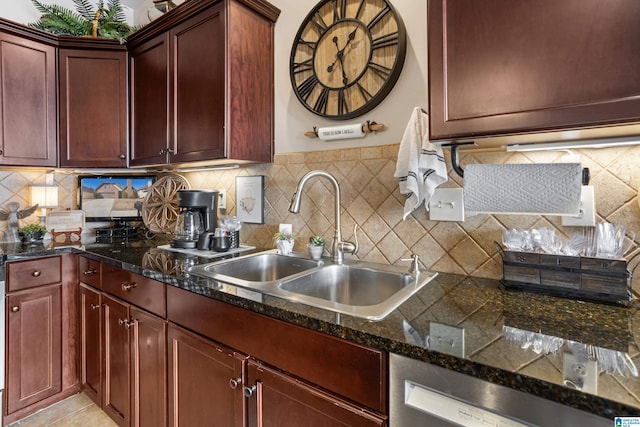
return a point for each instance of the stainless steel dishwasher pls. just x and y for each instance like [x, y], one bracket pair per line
[426, 395]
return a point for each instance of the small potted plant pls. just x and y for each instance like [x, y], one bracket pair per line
[32, 233]
[284, 242]
[316, 246]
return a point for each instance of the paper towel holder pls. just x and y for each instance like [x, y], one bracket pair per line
[455, 163]
[455, 159]
[368, 127]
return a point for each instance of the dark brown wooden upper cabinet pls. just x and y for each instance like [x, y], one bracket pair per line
[501, 67]
[93, 106]
[202, 84]
[149, 97]
[28, 99]
[197, 66]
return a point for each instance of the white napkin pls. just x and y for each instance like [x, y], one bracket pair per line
[420, 167]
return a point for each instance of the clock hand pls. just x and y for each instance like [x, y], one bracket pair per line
[352, 35]
[345, 79]
[338, 55]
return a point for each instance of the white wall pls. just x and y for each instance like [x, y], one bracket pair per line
[24, 12]
[292, 119]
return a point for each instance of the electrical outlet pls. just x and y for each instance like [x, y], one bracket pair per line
[285, 228]
[587, 215]
[222, 199]
[446, 204]
[446, 339]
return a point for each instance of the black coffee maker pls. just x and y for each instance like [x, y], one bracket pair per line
[201, 203]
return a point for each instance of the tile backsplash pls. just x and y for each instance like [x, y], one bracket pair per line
[370, 198]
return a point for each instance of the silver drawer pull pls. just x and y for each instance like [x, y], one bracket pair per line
[15, 308]
[248, 391]
[94, 306]
[126, 323]
[36, 273]
[128, 286]
[90, 272]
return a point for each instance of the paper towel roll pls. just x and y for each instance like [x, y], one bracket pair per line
[341, 132]
[546, 188]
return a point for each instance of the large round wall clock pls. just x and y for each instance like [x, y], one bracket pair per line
[347, 56]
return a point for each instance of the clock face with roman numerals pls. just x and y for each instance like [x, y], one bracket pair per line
[347, 56]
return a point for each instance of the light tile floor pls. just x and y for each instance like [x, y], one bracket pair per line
[75, 411]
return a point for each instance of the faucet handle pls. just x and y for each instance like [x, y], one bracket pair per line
[414, 269]
[348, 247]
[355, 237]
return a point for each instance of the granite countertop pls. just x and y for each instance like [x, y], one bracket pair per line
[524, 341]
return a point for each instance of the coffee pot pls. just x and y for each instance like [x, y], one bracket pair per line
[189, 226]
[198, 215]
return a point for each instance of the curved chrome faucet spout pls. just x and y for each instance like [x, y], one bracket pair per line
[338, 248]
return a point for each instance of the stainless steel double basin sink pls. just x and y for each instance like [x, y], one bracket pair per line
[361, 289]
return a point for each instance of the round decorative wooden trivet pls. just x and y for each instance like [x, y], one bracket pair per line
[160, 206]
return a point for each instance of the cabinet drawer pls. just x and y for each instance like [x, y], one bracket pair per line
[138, 290]
[89, 272]
[345, 368]
[33, 272]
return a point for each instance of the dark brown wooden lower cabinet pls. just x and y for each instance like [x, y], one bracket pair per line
[34, 333]
[205, 382]
[208, 385]
[116, 356]
[149, 369]
[277, 399]
[123, 359]
[90, 305]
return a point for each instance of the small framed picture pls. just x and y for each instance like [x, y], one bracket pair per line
[250, 199]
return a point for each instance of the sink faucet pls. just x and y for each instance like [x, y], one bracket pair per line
[338, 247]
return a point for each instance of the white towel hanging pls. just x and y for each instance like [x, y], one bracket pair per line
[420, 167]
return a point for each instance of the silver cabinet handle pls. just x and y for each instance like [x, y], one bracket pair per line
[122, 156]
[36, 273]
[248, 391]
[126, 323]
[127, 286]
[15, 308]
[90, 272]
[235, 382]
[94, 306]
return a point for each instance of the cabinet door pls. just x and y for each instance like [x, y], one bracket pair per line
[198, 78]
[149, 91]
[277, 399]
[93, 108]
[116, 357]
[34, 365]
[28, 109]
[91, 343]
[205, 382]
[149, 368]
[500, 66]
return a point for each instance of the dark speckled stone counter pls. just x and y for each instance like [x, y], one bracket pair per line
[519, 340]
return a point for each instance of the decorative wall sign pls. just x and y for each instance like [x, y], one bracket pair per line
[250, 199]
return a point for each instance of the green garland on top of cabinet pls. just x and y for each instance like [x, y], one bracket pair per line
[105, 22]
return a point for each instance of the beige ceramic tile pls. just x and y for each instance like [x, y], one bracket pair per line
[91, 416]
[54, 413]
